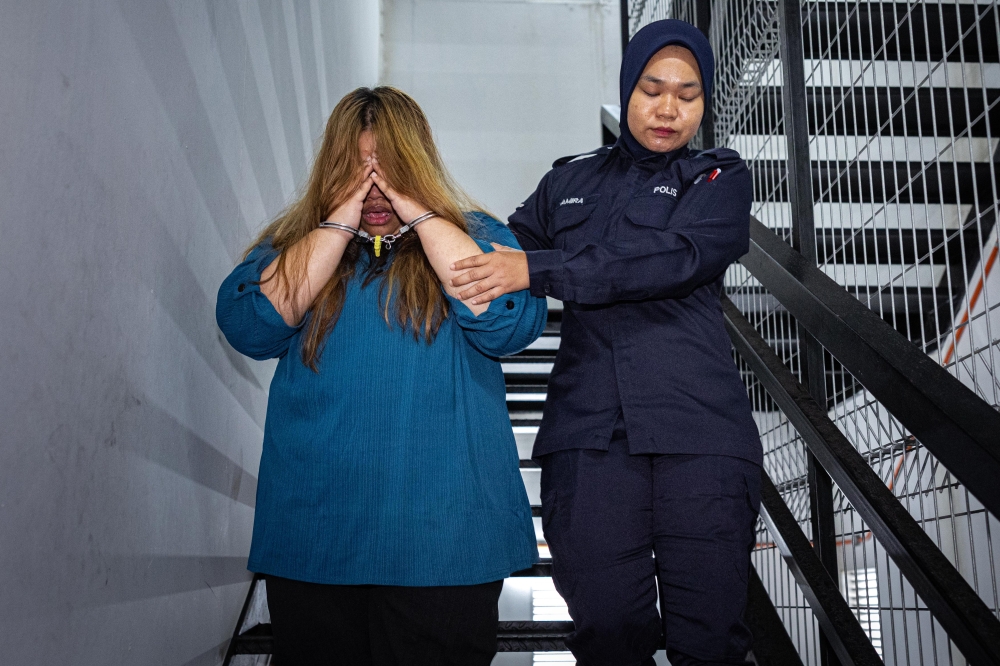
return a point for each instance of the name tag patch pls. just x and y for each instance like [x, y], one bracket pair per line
[572, 200]
[663, 189]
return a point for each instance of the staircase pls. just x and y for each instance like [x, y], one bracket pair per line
[871, 130]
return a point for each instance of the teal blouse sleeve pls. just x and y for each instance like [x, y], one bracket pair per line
[513, 321]
[246, 316]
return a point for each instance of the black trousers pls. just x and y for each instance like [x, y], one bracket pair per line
[376, 625]
[606, 513]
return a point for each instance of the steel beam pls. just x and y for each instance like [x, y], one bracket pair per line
[811, 361]
[623, 13]
[703, 20]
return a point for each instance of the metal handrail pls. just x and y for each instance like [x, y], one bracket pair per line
[957, 426]
[968, 621]
[771, 643]
[840, 625]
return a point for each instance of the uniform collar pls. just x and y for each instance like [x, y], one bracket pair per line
[648, 158]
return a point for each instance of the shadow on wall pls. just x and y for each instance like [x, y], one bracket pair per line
[144, 143]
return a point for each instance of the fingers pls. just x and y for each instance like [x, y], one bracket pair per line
[365, 185]
[383, 184]
[491, 295]
[469, 277]
[484, 286]
[503, 248]
[476, 289]
[470, 262]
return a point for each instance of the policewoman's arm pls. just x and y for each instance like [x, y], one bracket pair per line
[509, 323]
[529, 222]
[708, 230]
[481, 279]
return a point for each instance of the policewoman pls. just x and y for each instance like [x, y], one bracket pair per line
[647, 442]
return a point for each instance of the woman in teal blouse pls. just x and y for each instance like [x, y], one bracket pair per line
[389, 506]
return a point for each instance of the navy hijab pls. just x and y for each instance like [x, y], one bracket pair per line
[644, 46]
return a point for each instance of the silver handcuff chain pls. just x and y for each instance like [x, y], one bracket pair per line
[386, 240]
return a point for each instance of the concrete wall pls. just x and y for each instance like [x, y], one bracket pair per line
[143, 143]
[508, 85]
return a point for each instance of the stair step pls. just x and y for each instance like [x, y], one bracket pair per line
[861, 111]
[528, 636]
[899, 31]
[873, 182]
[542, 569]
[524, 392]
[546, 342]
[258, 639]
[512, 636]
[538, 383]
[523, 366]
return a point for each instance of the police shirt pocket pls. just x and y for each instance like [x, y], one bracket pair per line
[653, 210]
[572, 211]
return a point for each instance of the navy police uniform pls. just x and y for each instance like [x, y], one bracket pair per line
[647, 441]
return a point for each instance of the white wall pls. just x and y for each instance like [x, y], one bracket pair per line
[509, 85]
[143, 143]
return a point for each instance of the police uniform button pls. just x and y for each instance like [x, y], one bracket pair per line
[510, 305]
[241, 287]
[548, 289]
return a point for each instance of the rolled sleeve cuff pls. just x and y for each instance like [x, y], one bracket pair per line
[269, 318]
[246, 285]
[545, 273]
[246, 316]
[501, 312]
[508, 325]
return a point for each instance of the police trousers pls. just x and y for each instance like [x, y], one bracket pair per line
[606, 514]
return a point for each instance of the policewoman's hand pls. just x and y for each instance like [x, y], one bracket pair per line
[349, 212]
[406, 208]
[494, 273]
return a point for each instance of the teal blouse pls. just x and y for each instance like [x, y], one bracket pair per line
[395, 464]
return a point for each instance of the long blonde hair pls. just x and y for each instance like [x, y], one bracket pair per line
[409, 160]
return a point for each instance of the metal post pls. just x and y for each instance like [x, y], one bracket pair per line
[793, 97]
[800, 194]
[623, 6]
[703, 20]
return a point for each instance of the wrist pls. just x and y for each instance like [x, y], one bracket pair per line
[354, 223]
[338, 229]
[431, 223]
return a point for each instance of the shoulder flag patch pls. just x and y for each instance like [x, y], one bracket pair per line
[712, 176]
